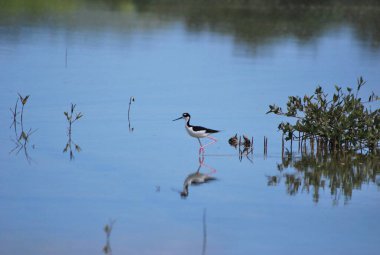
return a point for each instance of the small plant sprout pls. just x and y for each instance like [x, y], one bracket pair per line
[108, 229]
[22, 137]
[71, 118]
[23, 100]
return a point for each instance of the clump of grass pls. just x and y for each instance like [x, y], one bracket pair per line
[339, 123]
[71, 118]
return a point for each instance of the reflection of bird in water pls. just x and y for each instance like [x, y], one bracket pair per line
[234, 141]
[198, 131]
[195, 179]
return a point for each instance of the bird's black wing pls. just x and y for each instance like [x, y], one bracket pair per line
[208, 130]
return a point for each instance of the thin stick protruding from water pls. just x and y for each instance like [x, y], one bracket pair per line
[204, 232]
[265, 146]
[131, 99]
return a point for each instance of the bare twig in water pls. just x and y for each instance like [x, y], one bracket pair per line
[23, 100]
[66, 58]
[204, 245]
[131, 99]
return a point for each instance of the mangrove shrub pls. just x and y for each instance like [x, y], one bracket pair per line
[340, 122]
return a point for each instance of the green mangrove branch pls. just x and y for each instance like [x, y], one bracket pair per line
[340, 123]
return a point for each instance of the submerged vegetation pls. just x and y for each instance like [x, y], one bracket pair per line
[340, 123]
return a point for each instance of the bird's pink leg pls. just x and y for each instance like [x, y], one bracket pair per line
[212, 142]
[201, 163]
[201, 148]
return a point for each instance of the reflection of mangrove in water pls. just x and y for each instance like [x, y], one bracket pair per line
[22, 137]
[71, 118]
[340, 173]
[198, 177]
[252, 23]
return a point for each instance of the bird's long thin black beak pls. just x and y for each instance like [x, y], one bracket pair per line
[178, 118]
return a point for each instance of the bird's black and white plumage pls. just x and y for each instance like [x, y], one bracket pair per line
[196, 131]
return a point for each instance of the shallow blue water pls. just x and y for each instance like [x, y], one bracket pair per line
[57, 206]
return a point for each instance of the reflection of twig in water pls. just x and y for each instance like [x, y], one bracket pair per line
[22, 144]
[14, 116]
[131, 99]
[71, 120]
[68, 147]
[247, 151]
[108, 229]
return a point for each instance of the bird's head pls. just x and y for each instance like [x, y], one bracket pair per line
[185, 116]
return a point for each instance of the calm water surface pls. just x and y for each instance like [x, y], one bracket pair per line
[222, 65]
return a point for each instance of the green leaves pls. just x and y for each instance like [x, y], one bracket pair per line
[78, 116]
[23, 99]
[69, 117]
[342, 121]
[274, 109]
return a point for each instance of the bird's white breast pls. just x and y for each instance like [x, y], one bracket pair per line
[197, 134]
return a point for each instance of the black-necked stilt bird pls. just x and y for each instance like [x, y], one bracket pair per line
[198, 131]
